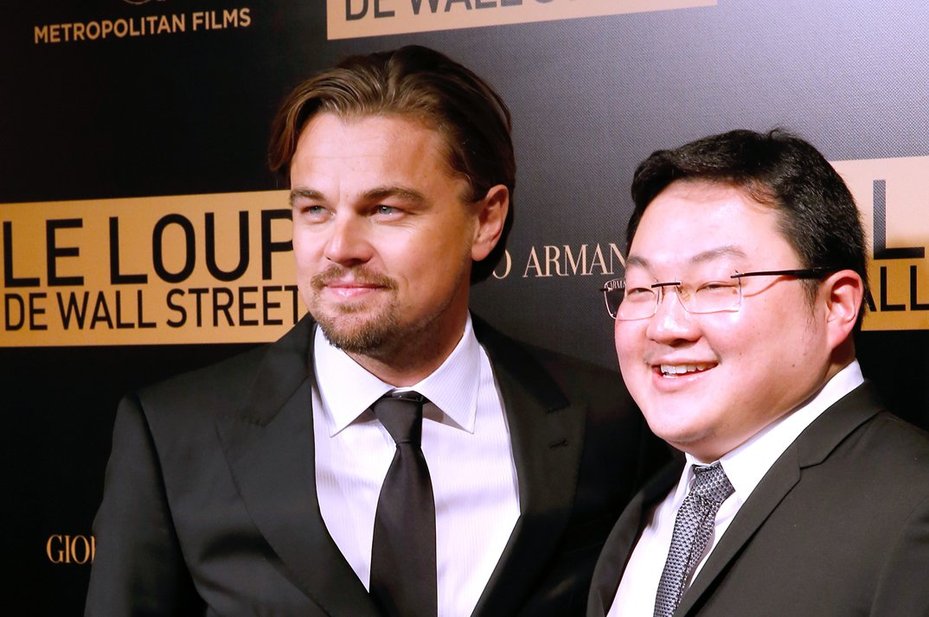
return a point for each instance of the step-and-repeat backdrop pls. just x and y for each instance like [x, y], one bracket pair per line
[142, 234]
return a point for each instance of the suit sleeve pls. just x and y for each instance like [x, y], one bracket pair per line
[138, 568]
[902, 589]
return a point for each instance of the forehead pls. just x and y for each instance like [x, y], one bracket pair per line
[341, 156]
[693, 222]
[328, 135]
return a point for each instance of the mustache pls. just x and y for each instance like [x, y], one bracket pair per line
[360, 274]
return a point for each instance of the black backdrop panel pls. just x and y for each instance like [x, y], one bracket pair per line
[187, 113]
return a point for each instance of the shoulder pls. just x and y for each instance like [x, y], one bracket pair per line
[887, 439]
[874, 429]
[617, 445]
[567, 375]
[227, 385]
[857, 447]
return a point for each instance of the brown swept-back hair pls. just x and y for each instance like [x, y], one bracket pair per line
[424, 84]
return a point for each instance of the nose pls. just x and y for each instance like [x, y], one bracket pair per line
[348, 242]
[671, 322]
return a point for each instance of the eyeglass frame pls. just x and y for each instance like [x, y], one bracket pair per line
[799, 273]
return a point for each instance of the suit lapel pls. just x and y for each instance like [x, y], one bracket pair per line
[622, 539]
[812, 447]
[270, 450]
[547, 434]
[775, 485]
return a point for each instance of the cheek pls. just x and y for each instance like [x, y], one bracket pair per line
[301, 256]
[305, 245]
[628, 342]
[618, 340]
[299, 241]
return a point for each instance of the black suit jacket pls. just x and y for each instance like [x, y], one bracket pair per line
[210, 503]
[839, 526]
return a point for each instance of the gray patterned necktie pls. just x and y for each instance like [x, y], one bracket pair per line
[693, 529]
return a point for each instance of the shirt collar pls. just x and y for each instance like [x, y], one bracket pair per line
[347, 390]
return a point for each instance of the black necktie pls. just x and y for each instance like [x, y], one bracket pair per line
[693, 528]
[403, 562]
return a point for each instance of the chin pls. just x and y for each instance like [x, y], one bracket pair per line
[687, 439]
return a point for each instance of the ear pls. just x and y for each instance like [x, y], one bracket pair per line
[843, 293]
[491, 216]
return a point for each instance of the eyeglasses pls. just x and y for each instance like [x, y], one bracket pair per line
[626, 303]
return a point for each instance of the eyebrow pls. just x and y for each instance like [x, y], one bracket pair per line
[304, 194]
[729, 250]
[375, 194]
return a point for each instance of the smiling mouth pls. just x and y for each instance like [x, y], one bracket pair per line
[351, 291]
[674, 370]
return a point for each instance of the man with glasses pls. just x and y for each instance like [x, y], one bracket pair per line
[798, 494]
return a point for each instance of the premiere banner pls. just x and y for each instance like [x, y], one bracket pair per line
[154, 270]
[891, 195]
[348, 19]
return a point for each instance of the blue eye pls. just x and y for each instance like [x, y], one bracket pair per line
[314, 212]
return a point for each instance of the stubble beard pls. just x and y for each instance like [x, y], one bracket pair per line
[347, 326]
[384, 335]
[357, 334]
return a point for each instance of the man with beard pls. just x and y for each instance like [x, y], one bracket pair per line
[392, 454]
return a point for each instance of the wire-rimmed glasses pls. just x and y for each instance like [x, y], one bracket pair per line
[641, 302]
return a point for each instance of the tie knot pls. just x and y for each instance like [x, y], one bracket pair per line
[401, 413]
[711, 483]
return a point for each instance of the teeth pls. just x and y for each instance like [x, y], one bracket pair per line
[681, 369]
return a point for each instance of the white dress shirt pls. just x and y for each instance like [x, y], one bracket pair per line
[745, 467]
[466, 443]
